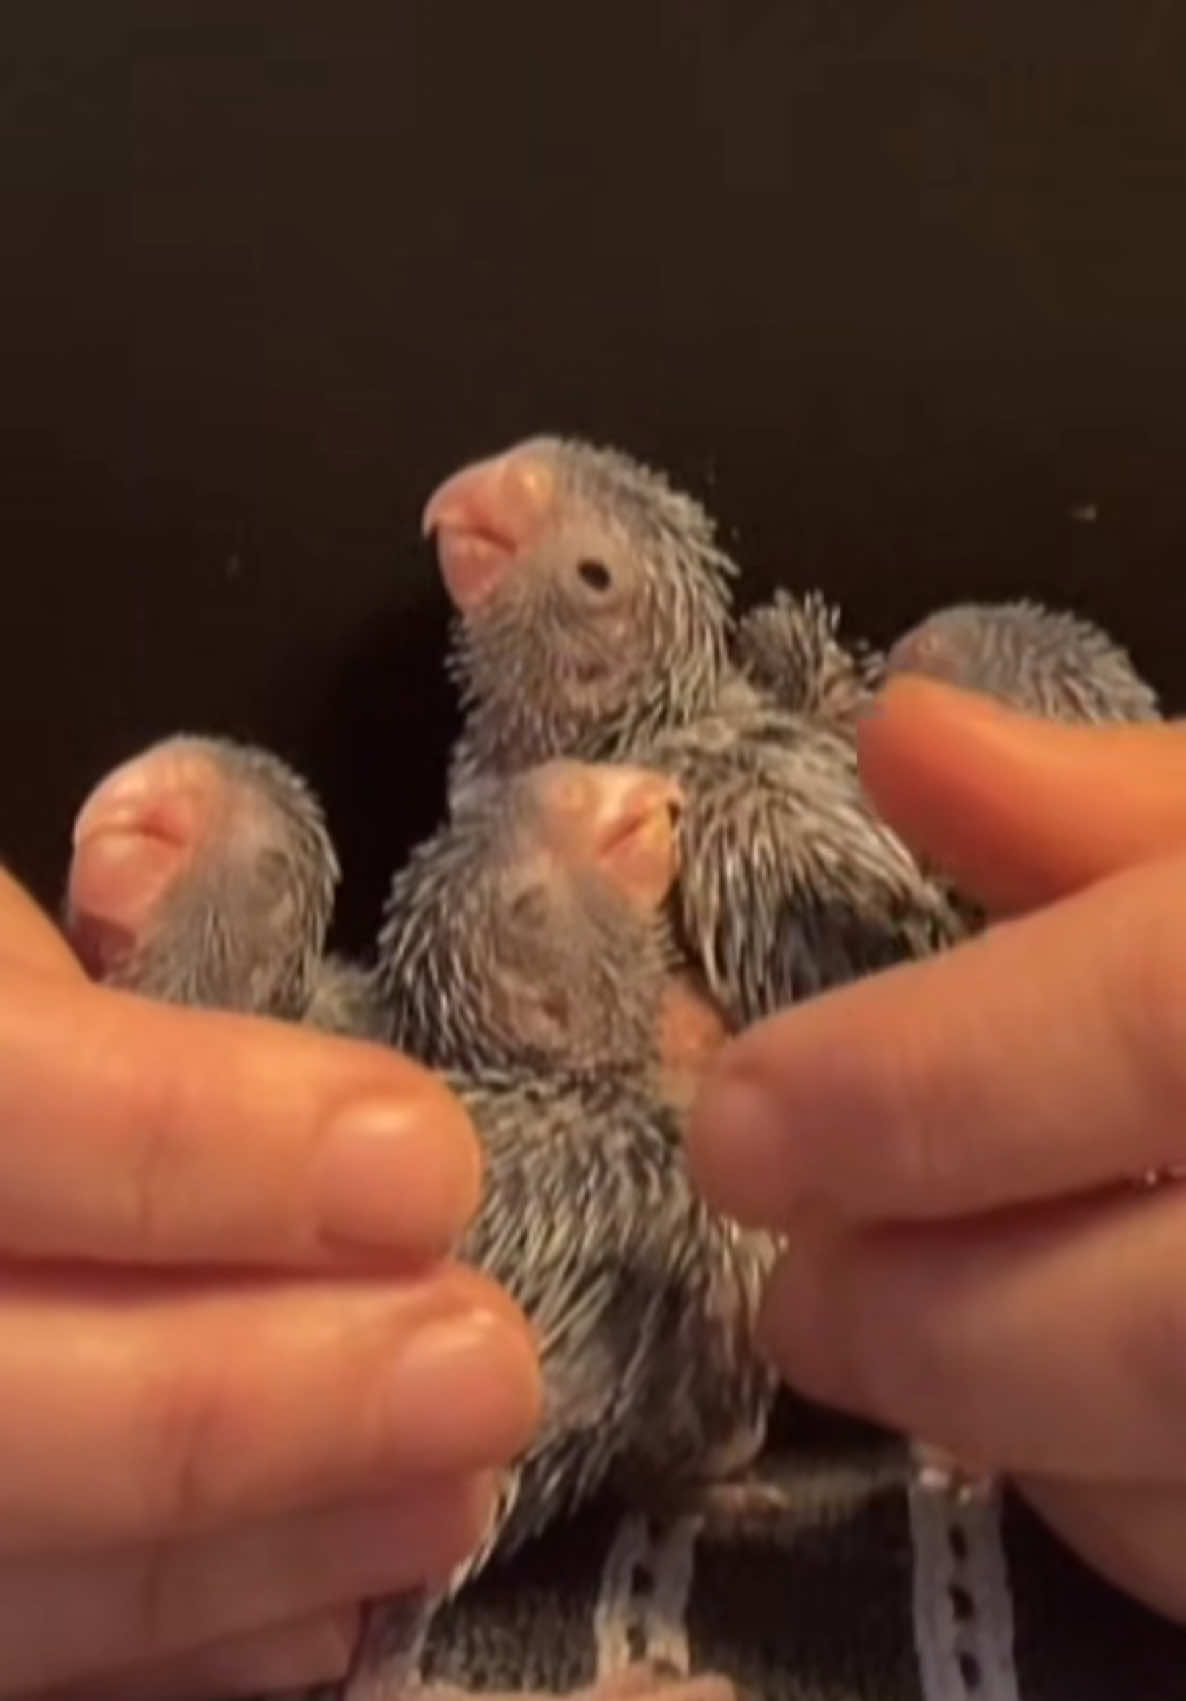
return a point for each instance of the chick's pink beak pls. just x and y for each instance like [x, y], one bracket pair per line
[637, 817]
[482, 517]
[623, 819]
[131, 837]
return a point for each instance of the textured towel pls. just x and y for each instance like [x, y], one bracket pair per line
[836, 1576]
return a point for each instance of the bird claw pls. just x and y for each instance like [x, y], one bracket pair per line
[720, 1504]
[732, 1506]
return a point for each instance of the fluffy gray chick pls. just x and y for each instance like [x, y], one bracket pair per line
[643, 1301]
[524, 949]
[593, 619]
[550, 887]
[791, 883]
[203, 874]
[790, 648]
[526, 932]
[1048, 662]
[592, 605]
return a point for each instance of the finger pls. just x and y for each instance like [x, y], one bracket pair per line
[1133, 1534]
[984, 1335]
[127, 1416]
[1016, 809]
[136, 1131]
[316, 1650]
[68, 1621]
[1047, 1056]
[28, 937]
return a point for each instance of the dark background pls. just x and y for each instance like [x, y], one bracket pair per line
[900, 289]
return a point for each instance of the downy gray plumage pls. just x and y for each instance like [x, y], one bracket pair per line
[594, 621]
[1045, 661]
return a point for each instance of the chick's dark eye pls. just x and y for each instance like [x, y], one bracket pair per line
[595, 574]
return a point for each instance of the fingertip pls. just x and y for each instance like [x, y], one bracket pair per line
[1134, 1534]
[401, 1170]
[28, 938]
[443, 1110]
[1020, 809]
[464, 1391]
[459, 1518]
[740, 1149]
[320, 1651]
[369, 1151]
[906, 693]
[918, 721]
[195, 1134]
[793, 1330]
[316, 1650]
[965, 780]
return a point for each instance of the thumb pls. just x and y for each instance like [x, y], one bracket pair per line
[28, 938]
[1020, 811]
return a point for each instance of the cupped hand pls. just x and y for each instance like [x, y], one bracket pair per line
[956, 1147]
[242, 1388]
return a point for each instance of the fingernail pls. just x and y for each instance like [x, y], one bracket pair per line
[398, 1173]
[331, 1644]
[795, 1334]
[899, 684]
[409, 1542]
[315, 1651]
[961, 699]
[739, 1149]
[464, 1392]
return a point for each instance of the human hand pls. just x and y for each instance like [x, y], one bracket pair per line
[951, 1145]
[241, 1390]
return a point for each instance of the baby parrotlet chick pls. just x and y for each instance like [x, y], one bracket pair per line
[525, 944]
[1045, 661]
[523, 932]
[791, 649]
[593, 605]
[203, 873]
[593, 620]
[643, 1302]
[529, 932]
[790, 882]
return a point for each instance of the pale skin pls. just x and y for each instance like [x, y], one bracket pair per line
[953, 1144]
[242, 1388]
